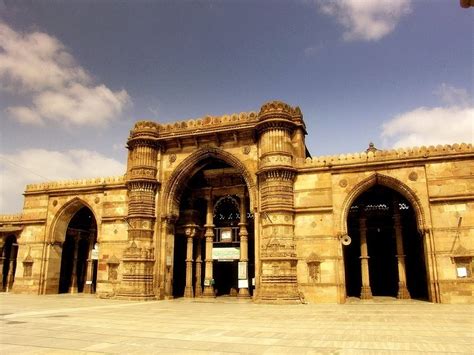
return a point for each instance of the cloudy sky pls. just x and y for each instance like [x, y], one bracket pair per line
[75, 75]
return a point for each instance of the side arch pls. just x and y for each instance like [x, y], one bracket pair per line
[388, 181]
[63, 217]
[192, 164]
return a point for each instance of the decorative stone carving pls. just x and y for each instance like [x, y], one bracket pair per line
[314, 267]
[138, 258]
[113, 264]
[28, 266]
[413, 176]
[277, 122]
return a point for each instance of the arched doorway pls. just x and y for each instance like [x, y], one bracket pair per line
[78, 267]
[212, 202]
[8, 258]
[386, 256]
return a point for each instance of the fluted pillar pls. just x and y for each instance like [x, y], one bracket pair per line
[244, 253]
[209, 235]
[11, 266]
[73, 279]
[2, 260]
[198, 283]
[188, 290]
[88, 287]
[366, 291]
[402, 279]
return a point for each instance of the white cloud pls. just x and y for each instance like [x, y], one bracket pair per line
[453, 96]
[367, 20]
[37, 165]
[39, 65]
[430, 126]
[25, 115]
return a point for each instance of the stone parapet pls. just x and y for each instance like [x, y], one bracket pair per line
[75, 184]
[387, 156]
[10, 218]
[208, 123]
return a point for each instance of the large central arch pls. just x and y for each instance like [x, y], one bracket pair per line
[193, 163]
[175, 201]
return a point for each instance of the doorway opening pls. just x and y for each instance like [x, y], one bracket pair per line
[213, 201]
[9, 255]
[383, 220]
[78, 269]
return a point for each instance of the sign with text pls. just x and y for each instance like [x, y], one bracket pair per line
[226, 253]
[242, 270]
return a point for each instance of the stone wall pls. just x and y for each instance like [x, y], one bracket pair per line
[300, 206]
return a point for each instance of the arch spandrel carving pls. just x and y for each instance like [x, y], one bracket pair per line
[387, 181]
[192, 164]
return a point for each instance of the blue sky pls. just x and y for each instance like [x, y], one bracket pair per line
[75, 75]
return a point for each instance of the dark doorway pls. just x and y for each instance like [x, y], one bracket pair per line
[378, 205]
[9, 255]
[225, 188]
[81, 236]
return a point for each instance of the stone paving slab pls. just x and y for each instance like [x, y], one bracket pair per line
[83, 324]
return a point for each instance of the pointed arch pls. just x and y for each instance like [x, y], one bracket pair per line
[389, 182]
[64, 216]
[191, 165]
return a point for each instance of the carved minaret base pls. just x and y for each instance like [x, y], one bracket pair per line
[137, 279]
[138, 258]
[277, 124]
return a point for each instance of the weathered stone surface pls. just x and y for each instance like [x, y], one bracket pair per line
[299, 205]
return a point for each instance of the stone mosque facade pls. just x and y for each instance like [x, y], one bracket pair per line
[234, 206]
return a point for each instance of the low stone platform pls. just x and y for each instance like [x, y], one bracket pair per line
[79, 324]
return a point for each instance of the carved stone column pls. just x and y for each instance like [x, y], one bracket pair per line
[73, 280]
[244, 252]
[198, 283]
[2, 260]
[11, 266]
[277, 124]
[402, 278]
[170, 235]
[365, 291]
[190, 232]
[142, 184]
[88, 287]
[209, 235]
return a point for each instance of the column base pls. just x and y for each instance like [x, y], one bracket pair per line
[188, 292]
[243, 293]
[88, 289]
[208, 291]
[365, 293]
[198, 292]
[403, 293]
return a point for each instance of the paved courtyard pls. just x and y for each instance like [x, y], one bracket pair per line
[84, 324]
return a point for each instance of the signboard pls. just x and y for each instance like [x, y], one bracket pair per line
[243, 283]
[225, 254]
[462, 272]
[95, 254]
[242, 270]
[226, 235]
